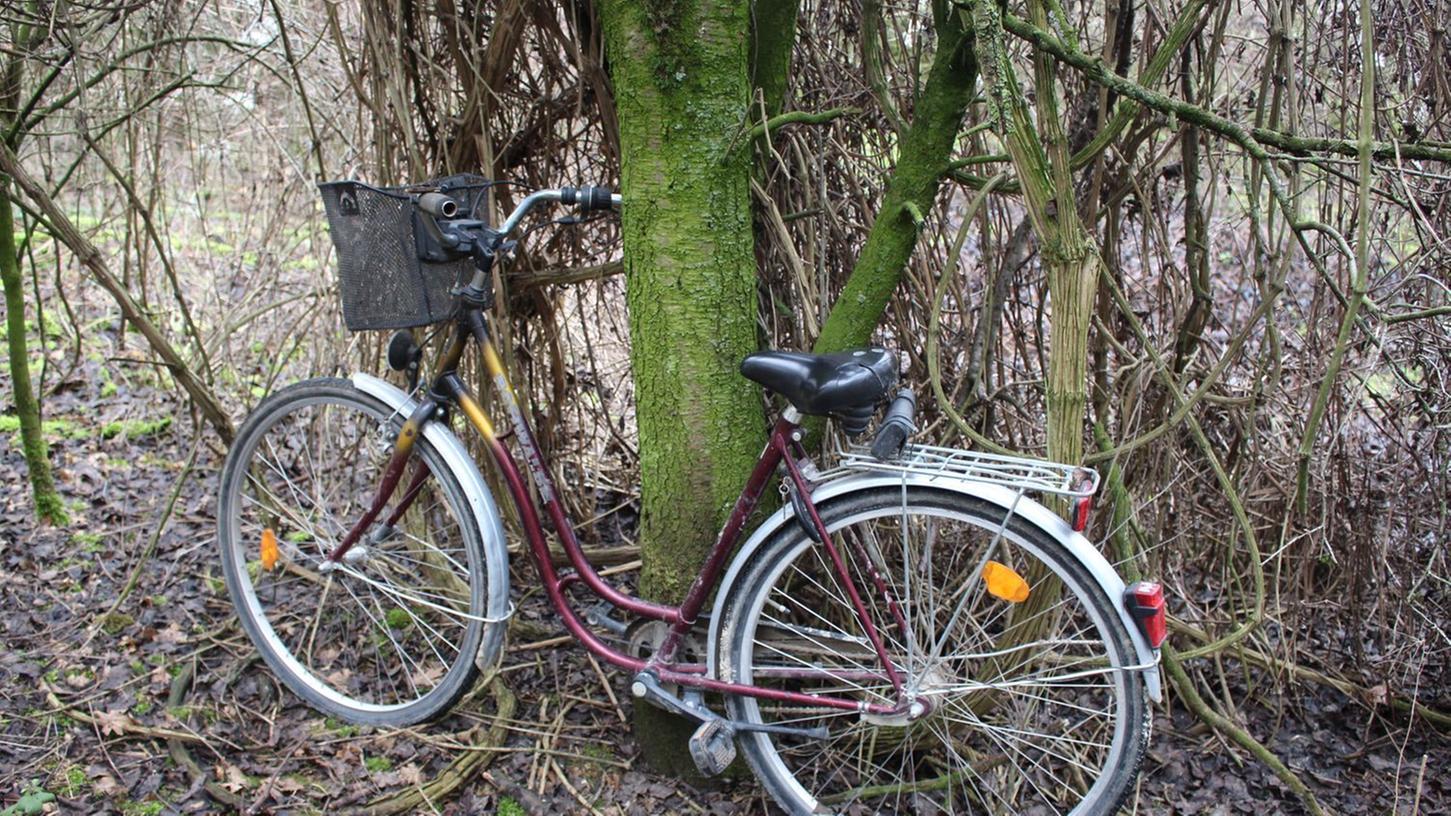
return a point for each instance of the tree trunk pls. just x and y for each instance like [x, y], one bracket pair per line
[683, 90]
[1041, 159]
[925, 150]
[48, 504]
[773, 35]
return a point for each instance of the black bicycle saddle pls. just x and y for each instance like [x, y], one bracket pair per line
[847, 385]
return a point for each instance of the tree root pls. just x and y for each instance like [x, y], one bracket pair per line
[180, 685]
[464, 767]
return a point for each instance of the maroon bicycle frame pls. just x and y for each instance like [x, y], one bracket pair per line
[783, 445]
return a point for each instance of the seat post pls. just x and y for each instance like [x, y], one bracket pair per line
[791, 415]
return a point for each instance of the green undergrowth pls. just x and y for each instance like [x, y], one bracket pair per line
[148, 808]
[33, 800]
[54, 429]
[509, 806]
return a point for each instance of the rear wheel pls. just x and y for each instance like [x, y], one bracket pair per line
[388, 637]
[1002, 638]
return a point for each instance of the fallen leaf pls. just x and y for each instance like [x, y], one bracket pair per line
[233, 779]
[106, 785]
[410, 774]
[114, 722]
[1377, 696]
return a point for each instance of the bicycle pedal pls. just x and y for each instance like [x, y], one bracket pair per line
[599, 615]
[713, 747]
[646, 686]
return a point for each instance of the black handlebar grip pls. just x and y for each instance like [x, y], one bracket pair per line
[588, 198]
[896, 426]
[438, 205]
[595, 198]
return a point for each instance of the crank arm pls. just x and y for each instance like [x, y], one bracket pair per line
[647, 686]
[817, 733]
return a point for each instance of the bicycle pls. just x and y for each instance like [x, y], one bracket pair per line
[910, 632]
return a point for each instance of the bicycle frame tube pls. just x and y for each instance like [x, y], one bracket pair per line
[402, 449]
[681, 618]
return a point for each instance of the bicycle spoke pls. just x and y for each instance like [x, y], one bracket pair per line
[387, 625]
[1008, 723]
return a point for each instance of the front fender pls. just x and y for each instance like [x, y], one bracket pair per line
[481, 503]
[1026, 509]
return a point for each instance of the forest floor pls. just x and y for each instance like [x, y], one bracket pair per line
[127, 687]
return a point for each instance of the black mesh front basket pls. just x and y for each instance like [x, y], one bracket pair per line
[384, 279]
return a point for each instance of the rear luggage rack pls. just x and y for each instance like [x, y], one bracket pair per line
[1018, 473]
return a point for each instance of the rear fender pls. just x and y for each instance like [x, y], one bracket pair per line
[481, 503]
[1026, 509]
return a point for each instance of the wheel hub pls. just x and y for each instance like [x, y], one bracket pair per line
[356, 555]
[923, 698]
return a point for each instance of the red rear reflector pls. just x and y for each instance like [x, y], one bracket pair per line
[1080, 513]
[1145, 602]
[1085, 483]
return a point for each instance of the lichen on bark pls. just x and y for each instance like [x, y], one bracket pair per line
[682, 87]
[48, 504]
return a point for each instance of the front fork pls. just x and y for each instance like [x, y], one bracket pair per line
[402, 450]
[392, 474]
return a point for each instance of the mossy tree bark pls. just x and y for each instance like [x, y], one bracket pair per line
[48, 505]
[1041, 158]
[925, 150]
[682, 88]
[773, 34]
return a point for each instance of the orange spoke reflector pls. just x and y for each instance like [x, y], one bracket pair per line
[269, 549]
[1003, 583]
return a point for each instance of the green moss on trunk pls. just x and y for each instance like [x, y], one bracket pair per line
[48, 505]
[773, 34]
[682, 89]
[926, 147]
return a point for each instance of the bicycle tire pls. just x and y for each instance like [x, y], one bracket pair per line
[811, 777]
[315, 432]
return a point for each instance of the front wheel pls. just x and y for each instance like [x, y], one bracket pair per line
[1013, 659]
[388, 635]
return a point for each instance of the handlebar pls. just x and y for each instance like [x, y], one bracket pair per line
[441, 205]
[468, 235]
[588, 198]
[438, 205]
